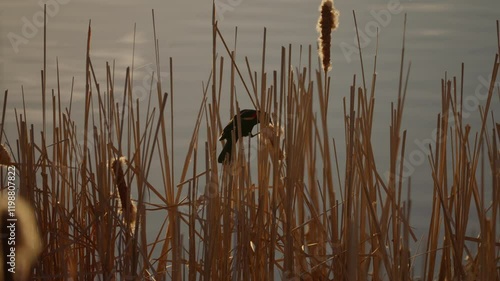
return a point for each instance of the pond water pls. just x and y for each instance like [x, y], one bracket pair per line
[440, 36]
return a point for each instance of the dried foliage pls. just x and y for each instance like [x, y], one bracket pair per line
[279, 212]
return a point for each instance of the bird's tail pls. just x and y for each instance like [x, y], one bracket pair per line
[225, 151]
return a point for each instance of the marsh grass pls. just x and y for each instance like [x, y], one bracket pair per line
[280, 212]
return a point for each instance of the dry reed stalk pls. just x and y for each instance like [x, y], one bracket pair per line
[498, 38]
[327, 22]
[269, 137]
[3, 113]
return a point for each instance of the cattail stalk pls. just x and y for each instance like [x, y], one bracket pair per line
[328, 21]
[5, 158]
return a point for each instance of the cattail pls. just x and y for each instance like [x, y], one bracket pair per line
[121, 185]
[127, 207]
[5, 159]
[327, 22]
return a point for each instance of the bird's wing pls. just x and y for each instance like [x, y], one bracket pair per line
[245, 115]
[226, 132]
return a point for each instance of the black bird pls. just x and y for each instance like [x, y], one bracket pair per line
[248, 118]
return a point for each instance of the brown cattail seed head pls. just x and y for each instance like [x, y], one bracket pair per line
[128, 209]
[121, 184]
[327, 22]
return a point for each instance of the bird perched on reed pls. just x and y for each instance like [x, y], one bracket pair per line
[248, 118]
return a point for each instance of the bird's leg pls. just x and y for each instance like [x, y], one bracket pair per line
[251, 135]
